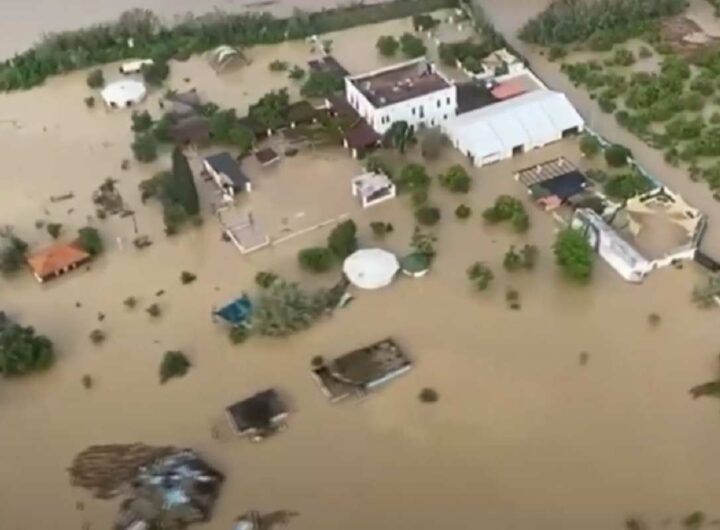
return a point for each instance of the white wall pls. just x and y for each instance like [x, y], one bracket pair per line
[429, 110]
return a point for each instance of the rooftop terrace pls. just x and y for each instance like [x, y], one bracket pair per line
[400, 83]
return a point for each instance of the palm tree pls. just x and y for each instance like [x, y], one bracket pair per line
[400, 135]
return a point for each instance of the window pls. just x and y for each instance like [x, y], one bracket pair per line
[413, 111]
[448, 101]
[438, 103]
[444, 116]
[422, 112]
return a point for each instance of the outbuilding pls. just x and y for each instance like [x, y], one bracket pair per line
[125, 93]
[502, 130]
[227, 174]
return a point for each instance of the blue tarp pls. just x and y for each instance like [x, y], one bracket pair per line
[236, 312]
[565, 185]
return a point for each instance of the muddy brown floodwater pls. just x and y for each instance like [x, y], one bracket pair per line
[524, 435]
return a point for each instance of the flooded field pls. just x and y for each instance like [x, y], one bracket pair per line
[524, 435]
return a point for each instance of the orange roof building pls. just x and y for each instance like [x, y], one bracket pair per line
[509, 89]
[56, 260]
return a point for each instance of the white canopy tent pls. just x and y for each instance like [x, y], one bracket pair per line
[371, 268]
[497, 131]
[125, 93]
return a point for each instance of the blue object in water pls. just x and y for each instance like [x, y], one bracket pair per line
[237, 312]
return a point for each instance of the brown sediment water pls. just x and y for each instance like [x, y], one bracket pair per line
[523, 435]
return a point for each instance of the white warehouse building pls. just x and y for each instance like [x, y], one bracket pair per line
[501, 130]
[414, 92]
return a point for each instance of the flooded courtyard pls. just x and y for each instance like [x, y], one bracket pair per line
[524, 435]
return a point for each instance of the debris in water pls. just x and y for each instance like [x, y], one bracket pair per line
[584, 358]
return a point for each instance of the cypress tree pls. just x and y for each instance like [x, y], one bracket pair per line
[182, 184]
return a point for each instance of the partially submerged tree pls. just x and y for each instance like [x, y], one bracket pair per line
[411, 46]
[590, 145]
[427, 215]
[617, 155]
[141, 121]
[400, 136]
[181, 186]
[480, 275]
[95, 79]
[54, 229]
[21, 350]
[342, 240]
[174, 364]
[271, 110]
[413, 177]
[156, 72]
[90, 240]
[456, 179]
[322, 85]
[283, 309]
[574, 255]
[144, 147]
[387, 45]
[317, 259]
[508, 208]
[12, 254]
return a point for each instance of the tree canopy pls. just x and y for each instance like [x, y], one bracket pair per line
[342, 240]
[574, 255]
[21, 350]
[456, 179]
[322, 85]
[508, 208]
[413, 177]
[181, 185]
[412, 46]
[90, 240]
[400, 135]
[317, 259]
[271, 110]
[387, 45]
[283, 309]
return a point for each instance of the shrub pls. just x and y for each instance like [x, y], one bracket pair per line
[21, 350]
[428, 395]
[90, 241]
[427, 215]
[424, 22]
[141, 121]
[574, 255]
[187, 277]
[507, 208]
[265, 279]
[411, 46]
[278, 66]
[617, 155]
[296, 73]
[130, 302]
[174, 217]
[556, 52]
[342, 240]
[54, 229]
[623, 57]
[626, 186]
[419, 197]
[144, 147]
[174, 364]
[456, 179]
[387, 45]
[95, 79]
[380, 229]
[524, 259]
[97, 336]
[413, 177]
[12, 255]
[156, 73]
[512, 298]
[154, 310]
[590, 145]
[89, 102]
[239, 334]
[645, 52]
[317, 259]
[432, 144]
[480, 275]
[463, 212]
[321, 85]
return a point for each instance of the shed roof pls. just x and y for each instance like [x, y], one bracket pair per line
[56, 258]
[224, 163]
[509, 89]
[257, 412]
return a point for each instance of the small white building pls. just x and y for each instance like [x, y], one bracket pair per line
[501, 130]
[123, 94]
[135, 66]
[415, 92]
[373, 188]
[227, 174]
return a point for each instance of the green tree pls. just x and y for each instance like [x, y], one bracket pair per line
[589, 145]
[387, 45]
[413, 177]
[181, 186]
[317, 259]
[507, 208]
[174, 217]
[574, 255]
[400, 135]
[283, 309]
[411, 46]
[278, 66]
[626, 186]
[424, 22]
[427, 215]
[144, 147]
[12, 255]
[456, 179]
[265, 279]
[222, 124]
[242, 138]
[432, 144]
[617, 155]
[296, 73]
[174, 364]
[271, 110]
[141, 121]
[480, 275]
[156, 73]
[90, 240]
[95, 79]
[21, 350]
[54, 229]
[322, 85]
[342, 240]
[463, 211]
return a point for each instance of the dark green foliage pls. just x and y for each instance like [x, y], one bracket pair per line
[601, 21]
[130, 302]
[413, 177]
[54, 229]
[432, 144]
[694, 521]
[174, 217]
[265, 279]
[400, 136]
[156, 73]
[322, 85]
[342, 240]
[154, 310]
[512, 298]
[242, 138]
[419, 197]
[141, 121]
[296, 73]
[507, 208]
[480, 275]
[623, 57]
[180, 188]
[523, 259]
[97, 336]
[456, 179]
[428, 395]
[174, 364]
[284, 309]
[95, 79]
[423, 243]
[574, 255]
[463, 212]
[607, 105]
[424, 22]
[411, 46]
[556, 52]
[239, 334]
[89, 102]
[645, 52]
[380, 229]
[21, 350]
[375, 164]
[626, 186]
[617, 155]
[590, 145]
[90, 240]
[271, 110]
[387, 45]
[12, 255]
[278, 66]
[144, 147]
[427, 215]
[317, 259]
[187, 277]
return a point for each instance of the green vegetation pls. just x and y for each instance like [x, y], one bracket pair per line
[400, 136]
[54, 229]
[141, 121]
[705, 296]
[322, 85]
[412, 46]
[187, 277]
[627, 185]
[463, 212]
[602, 22]
[432, 144]
[271, 110]
[428, 395]
[480, 275]
[423, 244]
[12, 254]
[144, 147]
[283, 309]
[342, 240]
[424, 22]
[130, 302]
[413, 177]
[387, 45]
[296, 73]
[278, 66]
[427, 215]
[97, 336]
[21, 350]
[456, 179]
[156, 73]
[265, 279]
[317, 259]
[380, 229]
[617, 155]
[95, 79]
[589, 145]
[507, 208]
[180, 188]
[523, 259]
[174, 364]
[574, 255]
[154, 310]
[239, 334]
[90, 240]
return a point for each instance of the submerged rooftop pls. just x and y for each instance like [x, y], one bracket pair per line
[400, 82]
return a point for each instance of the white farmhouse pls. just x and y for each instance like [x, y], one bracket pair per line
[414, 92]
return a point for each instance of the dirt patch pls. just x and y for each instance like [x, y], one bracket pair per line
[686, 37]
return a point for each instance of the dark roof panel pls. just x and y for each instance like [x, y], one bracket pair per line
[224, 163]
